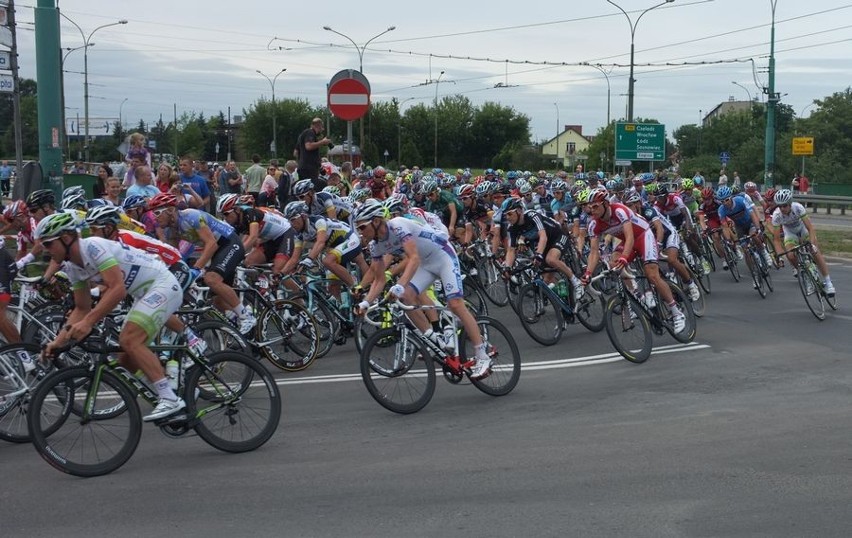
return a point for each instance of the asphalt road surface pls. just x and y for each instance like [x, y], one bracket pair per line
[745, 432]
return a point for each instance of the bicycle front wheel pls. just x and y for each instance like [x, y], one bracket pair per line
[628, 329]
[93, 444]
[238, 405]
[398, 371]
[810, 291]
[685, 305]
[492, 282]
[590, 310]
[13, 409]
[505, 357]
[540, 315]
[287, 336]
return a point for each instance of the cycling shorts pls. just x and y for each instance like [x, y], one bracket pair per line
[153, 309]
[439, 264]
[283, 246]
[795, 236]
[670, 240]
[8, 271]
[346, 251]
[645, 245]
[227, 258]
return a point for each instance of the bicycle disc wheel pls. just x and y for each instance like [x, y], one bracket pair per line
[810, 291]
[399, 373]
[492, 282]
[505, 357]
[475, 299]
[287, 336]
[685, 306]
[239, 404]
[628, 329]
[540, 316]
[78, 446]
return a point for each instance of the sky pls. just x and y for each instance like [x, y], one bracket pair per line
[202, 56]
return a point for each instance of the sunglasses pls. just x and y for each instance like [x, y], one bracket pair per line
[783, 205]
[361, 227]
[302, 197]
[160, 211]
[47, 242]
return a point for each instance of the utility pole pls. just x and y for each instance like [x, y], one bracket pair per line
[49, 97]
[771, 103]
[16, 88]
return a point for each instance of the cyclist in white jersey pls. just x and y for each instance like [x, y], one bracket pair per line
[793, 219]
[430, 257]
[122, 270]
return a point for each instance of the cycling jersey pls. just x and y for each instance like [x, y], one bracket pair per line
[191, 220]
[427, 219]
[325, 201]
[532, 224]
[542, 203]
[167, 253]
[710, 209]
[793, 223]
[620, 216]
[477, 212]
[652, 214]
[441, 206]
[25, 237]
[739, 212]
[336, 231]
[672, 206]
[272, 223]
[691, 199]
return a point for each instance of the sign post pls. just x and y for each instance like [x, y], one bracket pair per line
[640, 142]
[724, 158]
[804, 146]
[349, 99]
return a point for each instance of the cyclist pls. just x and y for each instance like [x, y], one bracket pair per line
[322, 203]
[122, 270]
[220, 246]
[429, 257]
[637, 239]
[708, 220]
[442, 203]
[672, 207]
[793, 219]
[743, 217]
[541, 233]
[136, 207]
[269, 238]
[104, 222]
[476, 214]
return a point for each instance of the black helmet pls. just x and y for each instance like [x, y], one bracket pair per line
[41, 197]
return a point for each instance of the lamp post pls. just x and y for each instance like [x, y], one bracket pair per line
[68, 50]
[86, 44]
[120, 117]
[608, 89]
[771, 102]
[274, 148]
[633, 24]
[437, 82]
[735, 83]
[361, 70]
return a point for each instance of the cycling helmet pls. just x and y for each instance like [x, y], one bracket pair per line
[511, 204]
[632, 197]
[723, 193]
[55, 225]
[512, 175]
[429, 187]
[332, 189]
[133, 202]
[688, 184]
[489, 172]
[379, 172]
[523, 186]
[466, 191]
[769, 195]
[226, 203]
[783, 196]
[736, 189]
[15, 209]
[369, 210]
[164, 199]
[296, 209]
[660, 190]
[582, 196]
[96, 202]
[100, 216]
[598, 196]
[483, 188]
[619, 184]
[40, 198]
[750, 186]
[559, 186]
[600, 174]
[246, 199]
[397, 203]
[707, 193]
[70, 191]
[75, 200]
[359, 195]
[610, 185]
[580, 184]
[303, 187]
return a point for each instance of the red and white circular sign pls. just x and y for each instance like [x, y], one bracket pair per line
[349, 95]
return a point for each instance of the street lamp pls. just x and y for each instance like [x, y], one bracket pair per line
[606, 75]
[271, 81]
[437, 82]
[86, 43]
[735, 83]
[120, 118]
[361, 70]
[68, 50]
[632, 24]
[771, 103]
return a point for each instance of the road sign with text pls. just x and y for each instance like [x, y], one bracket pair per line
[640, 142]
[803, 145]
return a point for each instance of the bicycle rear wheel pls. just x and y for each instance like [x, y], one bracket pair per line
[398, 370]
[95, 444]
[287, 336]
[811, 293]
[493, 285]
[239, 404]
[590, 310]
[505, 357]
[732, 260]
[540, 315]
[220, 336]
[628, 329]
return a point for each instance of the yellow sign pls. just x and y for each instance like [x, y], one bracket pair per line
[803, 145]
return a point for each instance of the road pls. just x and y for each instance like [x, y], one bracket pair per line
[743, 433]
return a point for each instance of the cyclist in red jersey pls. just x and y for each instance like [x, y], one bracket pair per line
[708, 219]
[636, 237]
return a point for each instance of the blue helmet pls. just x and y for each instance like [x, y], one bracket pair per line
[723, 193]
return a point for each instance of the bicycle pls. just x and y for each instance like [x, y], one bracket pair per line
[631, 323]
[16, 385]
[537, 300]
[85, 420]
[731, 255]
[485, 268]
[757, 265]
[810, 281]
[398, 362]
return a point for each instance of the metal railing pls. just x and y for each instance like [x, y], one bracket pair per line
[814, 201]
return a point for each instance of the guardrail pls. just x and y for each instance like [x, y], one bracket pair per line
[813, 201]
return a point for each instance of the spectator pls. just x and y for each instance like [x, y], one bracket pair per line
[736, 180]
[346, 174]
[144, 186]
[254, 176]
[723, 178]
[286, 181]
[308, 146]
[230, 180]
[5, 178]
[99, 188]
[166, 176]
[268, 190]
[198, 183]
[112, 191]
[800, 184]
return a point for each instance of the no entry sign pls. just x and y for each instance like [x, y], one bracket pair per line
[349, 95]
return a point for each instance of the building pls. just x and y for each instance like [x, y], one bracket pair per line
[726, 107]
[568, 147]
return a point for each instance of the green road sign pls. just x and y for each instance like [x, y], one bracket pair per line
[640, 142]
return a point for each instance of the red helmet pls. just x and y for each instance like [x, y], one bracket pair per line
[707, 193]
[15, 209]
[750, 186]
[598, 196]
[379, 172]
[466, 191]
[163, 199]
[769, 195]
